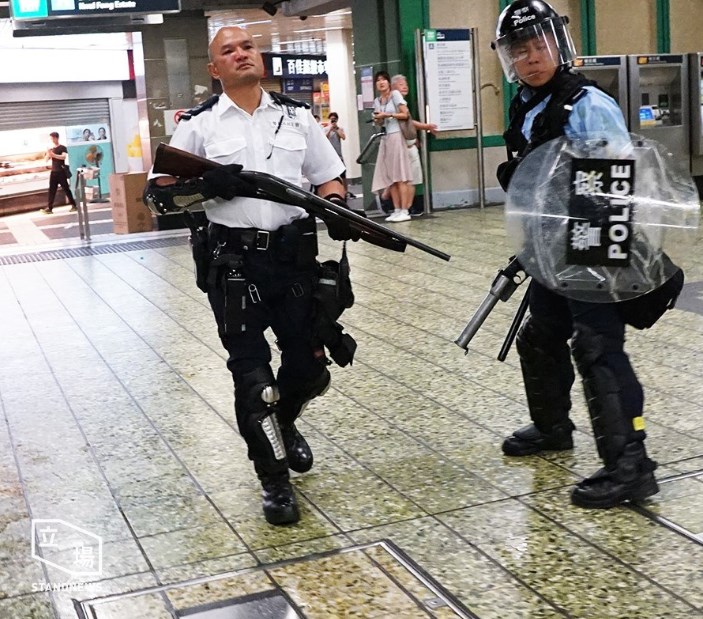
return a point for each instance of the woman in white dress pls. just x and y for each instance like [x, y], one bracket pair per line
[392, 165]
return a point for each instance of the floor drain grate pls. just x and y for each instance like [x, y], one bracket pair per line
[375, 579]
[78, 252]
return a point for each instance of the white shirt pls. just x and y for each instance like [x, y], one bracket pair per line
[227, 134]
[392, 106]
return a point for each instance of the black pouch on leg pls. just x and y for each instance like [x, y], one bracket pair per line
[333, 294]
[297, 243]
[643, 312]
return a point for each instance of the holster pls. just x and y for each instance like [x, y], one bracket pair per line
[198, 240]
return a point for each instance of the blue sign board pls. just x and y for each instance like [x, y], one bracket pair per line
[49, 9]
[301, 85]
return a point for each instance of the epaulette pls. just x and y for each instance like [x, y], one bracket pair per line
[194, 111]
[280, 99]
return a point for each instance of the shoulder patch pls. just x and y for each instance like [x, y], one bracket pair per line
[579, 94]
[198, 109]
[280, 99]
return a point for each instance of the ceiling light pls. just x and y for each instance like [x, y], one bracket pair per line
[297, 41]
[319, 29]
[252, 23]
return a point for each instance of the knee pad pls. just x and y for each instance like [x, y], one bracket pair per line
[612, 426]
[256, 399]
[255, 390]
[536, 340]
[547, 373]
[296, 394]
[588, 347]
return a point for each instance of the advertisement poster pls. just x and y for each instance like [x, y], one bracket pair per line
[449, 78]
[367, 89]
[90, 146]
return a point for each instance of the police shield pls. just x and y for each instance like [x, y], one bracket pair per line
[600, 218]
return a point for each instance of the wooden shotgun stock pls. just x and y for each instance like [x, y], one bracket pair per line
[176, 162]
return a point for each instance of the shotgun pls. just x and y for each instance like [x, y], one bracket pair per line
[503, 287]
[176, 162]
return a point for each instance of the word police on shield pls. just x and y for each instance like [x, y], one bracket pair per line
[600, 212]
[66, 547]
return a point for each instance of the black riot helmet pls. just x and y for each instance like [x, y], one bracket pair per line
[531, 20]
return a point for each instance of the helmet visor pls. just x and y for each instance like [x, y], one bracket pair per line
[536, 48]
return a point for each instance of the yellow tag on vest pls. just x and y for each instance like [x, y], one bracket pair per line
[638, 423]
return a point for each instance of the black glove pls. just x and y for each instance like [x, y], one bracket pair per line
[225, 182]
[338, 228]
[506, 170]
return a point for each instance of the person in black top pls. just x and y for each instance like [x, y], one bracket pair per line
[58, 155]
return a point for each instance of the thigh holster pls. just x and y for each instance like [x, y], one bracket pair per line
[199, 246]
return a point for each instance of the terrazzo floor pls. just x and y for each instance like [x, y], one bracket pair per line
[118, 449]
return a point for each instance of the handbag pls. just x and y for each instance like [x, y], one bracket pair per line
[67, 170]
[407, 128]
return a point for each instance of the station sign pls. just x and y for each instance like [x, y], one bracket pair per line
[57, 9]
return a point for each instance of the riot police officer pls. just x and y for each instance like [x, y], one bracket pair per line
[263, 268]
[536, 49]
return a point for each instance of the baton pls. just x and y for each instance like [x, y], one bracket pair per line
[515, 326]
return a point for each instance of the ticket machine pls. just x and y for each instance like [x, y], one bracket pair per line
[695, 72]
[659, 101]
[610, 73]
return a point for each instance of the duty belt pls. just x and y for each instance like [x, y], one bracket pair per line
[241, 240]
[244, 239]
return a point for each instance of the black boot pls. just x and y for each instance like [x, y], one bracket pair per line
[298, 452]
[278, 498]
[632, 479]
[295, 396]
[529, 440]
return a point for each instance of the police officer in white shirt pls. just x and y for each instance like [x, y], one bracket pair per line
[264, 265]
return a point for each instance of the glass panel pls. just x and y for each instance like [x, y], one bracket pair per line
[660, 89]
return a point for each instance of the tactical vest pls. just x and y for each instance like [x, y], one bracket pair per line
[566, 89]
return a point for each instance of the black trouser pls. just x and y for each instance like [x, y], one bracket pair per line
[284, 287]
[598, 345]
[56, 178]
